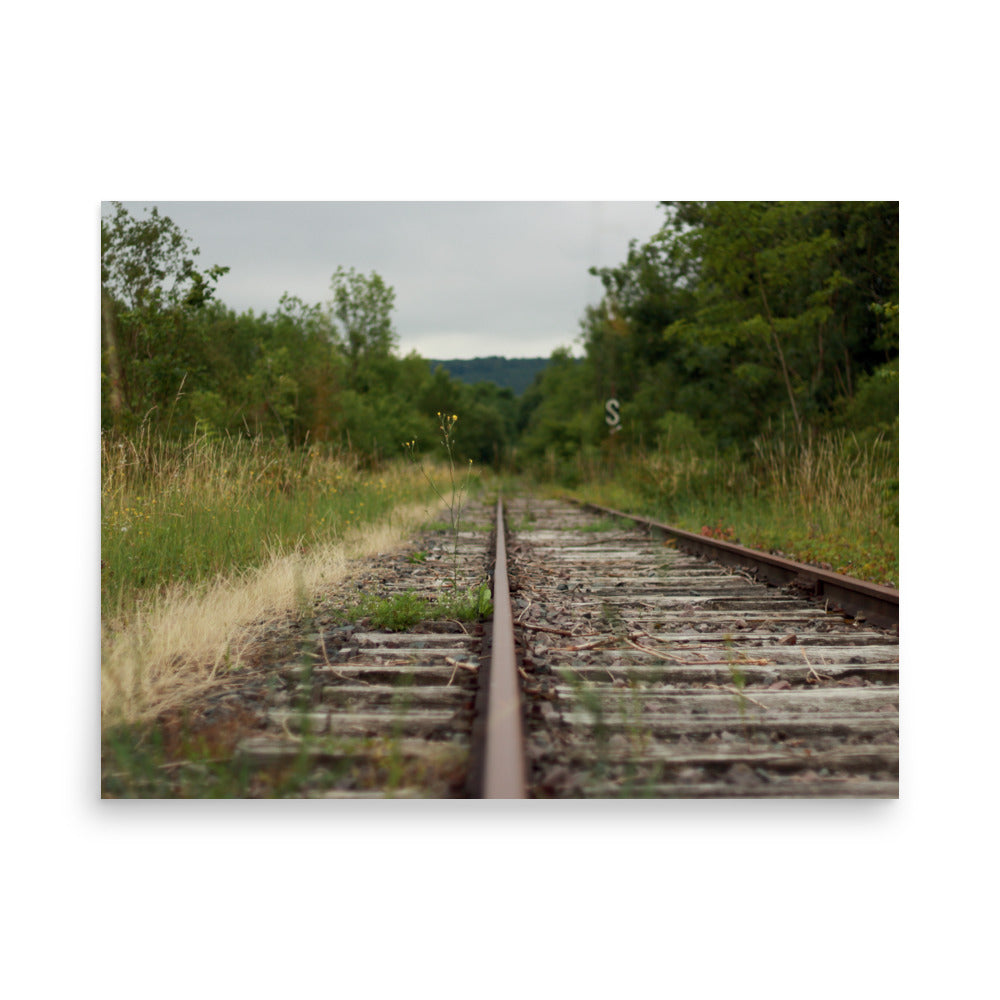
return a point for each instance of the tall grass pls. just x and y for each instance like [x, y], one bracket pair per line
[175, 512]
[830, 499]
[825, 478]
[201, 540]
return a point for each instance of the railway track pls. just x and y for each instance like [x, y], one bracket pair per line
[616, 665]
[368, 710]
[652, 672]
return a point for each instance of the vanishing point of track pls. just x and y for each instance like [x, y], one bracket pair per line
[624, 659]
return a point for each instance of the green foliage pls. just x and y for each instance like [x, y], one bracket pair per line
[678, 432]
[473, 604]
[177, 362]
[556, 427]
[138, 761]
[401, 612]
[178, 758]
[149, 286]
[733, 317]
[363, 307]
[397, 613]
[148, 264]
[173, 511]
[874, 408]
[831, 499]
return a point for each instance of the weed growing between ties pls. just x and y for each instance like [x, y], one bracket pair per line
[175, 759]
[473, 601]
[589, 700]
[401, 612]
[458, 490]
[170, 759]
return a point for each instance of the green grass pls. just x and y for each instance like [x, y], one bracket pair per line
[401, 612]
[138, 762]
[473, 604]
[175, 760]
[397, 613]
[832, 501]
[211, 511]
[188, 512]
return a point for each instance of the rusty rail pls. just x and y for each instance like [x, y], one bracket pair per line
[503, 763]
[878, 604]
[504, 770]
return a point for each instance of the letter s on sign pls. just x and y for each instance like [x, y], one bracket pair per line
[613, 418]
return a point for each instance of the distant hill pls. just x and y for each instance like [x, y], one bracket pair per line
[507, 373]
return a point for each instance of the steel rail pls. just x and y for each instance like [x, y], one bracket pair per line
[878, 604]
[504, 767]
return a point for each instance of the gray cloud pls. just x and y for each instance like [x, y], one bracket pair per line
[471, 278]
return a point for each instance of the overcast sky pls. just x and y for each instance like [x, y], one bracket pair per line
[471, 278]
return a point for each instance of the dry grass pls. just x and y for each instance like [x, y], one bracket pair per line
[829, 475]
[184, 640]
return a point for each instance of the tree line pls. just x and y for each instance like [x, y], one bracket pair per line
[735, 319]
[175, 358]
[732, 320]
[514, 373]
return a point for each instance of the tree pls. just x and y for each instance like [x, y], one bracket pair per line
[150, 290]
[789, 288]
[558, 420]
[175, 358]
[733, 316]
[148, 263]
[642, 296]
[362, 306]
[760, 263]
